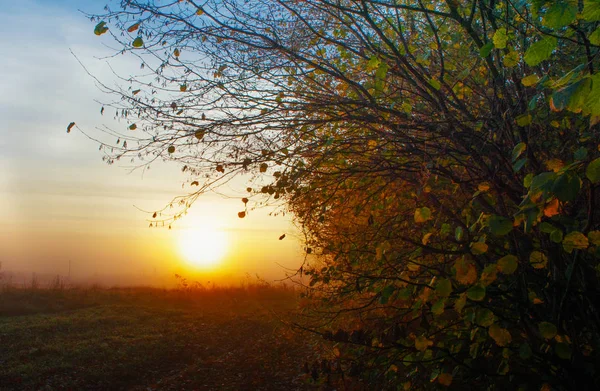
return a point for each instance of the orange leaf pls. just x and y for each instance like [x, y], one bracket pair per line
[551, 208]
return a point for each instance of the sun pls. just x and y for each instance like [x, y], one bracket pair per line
[203, 247]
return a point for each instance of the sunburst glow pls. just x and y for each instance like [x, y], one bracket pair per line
[203, 247]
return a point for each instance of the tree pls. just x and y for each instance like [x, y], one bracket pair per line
[442, 157]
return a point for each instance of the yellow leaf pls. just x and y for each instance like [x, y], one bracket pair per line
[422, 343]
[422, 215]
[466, 273]
[501, 336]
[445, 379]
[554, 164]
[459, 304]
[575, 241]
[538, 260]
[530, 80]
[478, 248]
[594, 237]
[425, 239]
[483, 187]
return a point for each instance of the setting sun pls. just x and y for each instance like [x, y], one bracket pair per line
[203, 247]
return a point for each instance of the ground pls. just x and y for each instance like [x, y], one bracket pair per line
[151, 339]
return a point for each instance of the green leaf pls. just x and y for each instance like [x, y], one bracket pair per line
[138, 42]
[486, 49]
[525, 351]
[595, 37]
[386, 293]
[540, 51]
[435, 84]
[592, 172]
[561, 14]
[484, 317]
[594, 237]
[444, 287]
[567, 186]
[556, 236]
[458, 234]
[519, 164]
[518, 150]
[499, 225]
[500, 38]
[100, 28]
[508, 264]
[547, 330]
[439, 307]
[563, 350]
[591, 10]
[476, 293]
[575, 241]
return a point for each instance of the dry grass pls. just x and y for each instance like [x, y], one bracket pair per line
[223, 338]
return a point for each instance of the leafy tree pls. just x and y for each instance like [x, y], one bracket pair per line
[442, 156]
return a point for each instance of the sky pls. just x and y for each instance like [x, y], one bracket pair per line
[64, 211]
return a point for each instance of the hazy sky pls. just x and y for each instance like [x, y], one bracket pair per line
[60, 203]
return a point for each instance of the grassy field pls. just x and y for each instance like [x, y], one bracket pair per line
[151, 339]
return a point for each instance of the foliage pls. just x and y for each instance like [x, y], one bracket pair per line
[442, 157]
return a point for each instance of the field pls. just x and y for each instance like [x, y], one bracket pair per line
[151, 339]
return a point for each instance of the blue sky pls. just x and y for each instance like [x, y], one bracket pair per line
[58, 199]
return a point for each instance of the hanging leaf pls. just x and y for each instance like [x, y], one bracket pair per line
[592, 172]
[100, 28]
[133, 27]
[479, 248]
[138, 42]
[476, 293]
[445, 379]
[575, 241]
[540, 51]
[566, 187]
[443, 287]
[547, 330]
[132, 127]
[486, 49]
[560, 14]
[242, 214]
[591, 10]
[183, 88]
[282, 237]
[499, 225]
[422, 215]
[70, 126]
[199, 12]
[466, 273]
[500, 38]
[501, 336]
[263, 167]
[530, 80]
[176, 53]
[171, 149]
[508, 264]
[538, 260]
[422, 343]
[518, 150]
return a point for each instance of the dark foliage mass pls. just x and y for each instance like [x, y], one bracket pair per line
[442, 157]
